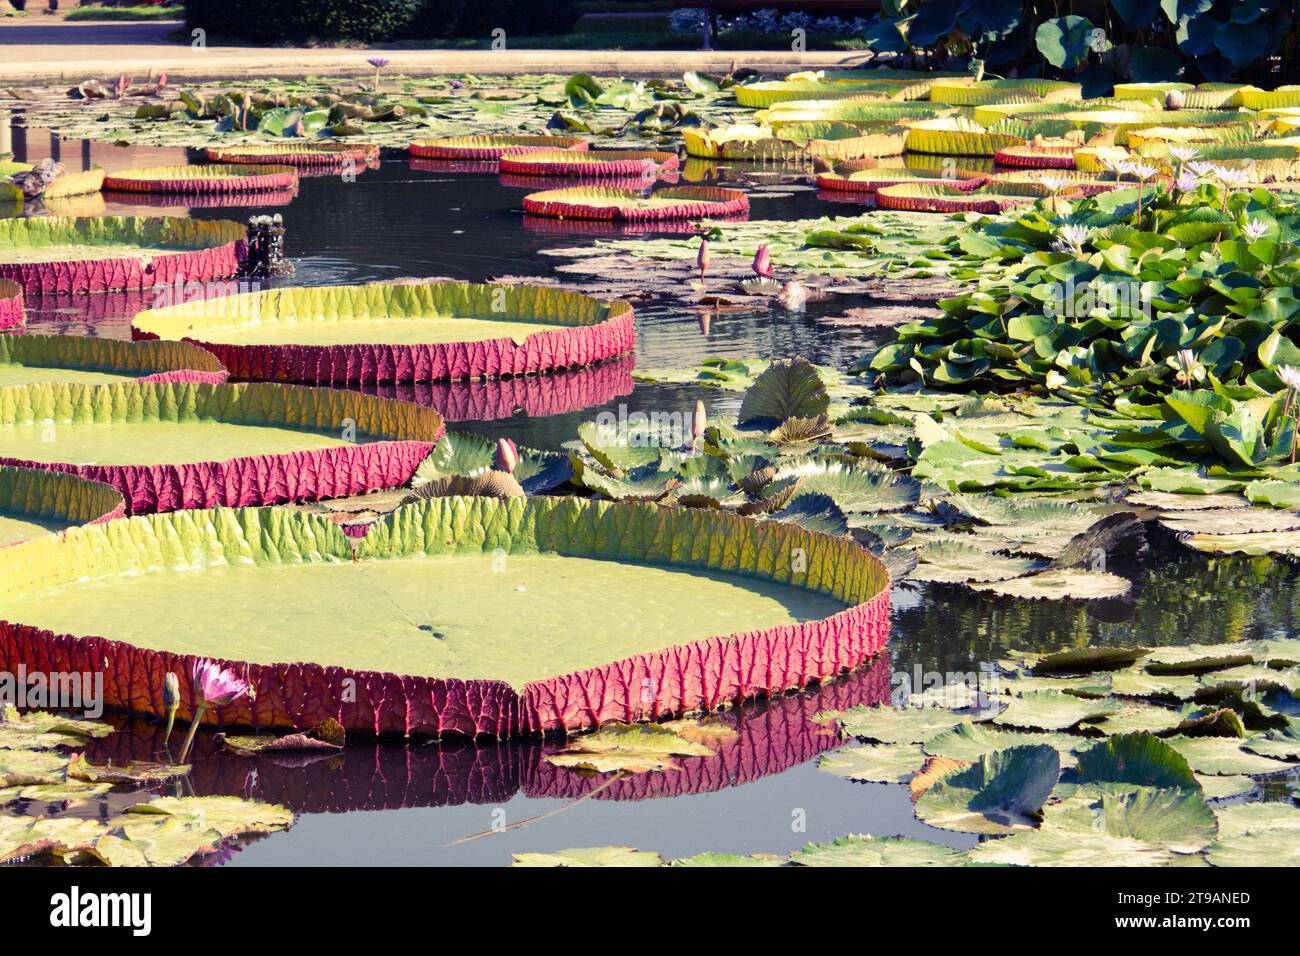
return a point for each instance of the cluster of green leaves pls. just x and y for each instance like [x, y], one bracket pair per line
[1138, 40]
[1091, 756]
[52, 802]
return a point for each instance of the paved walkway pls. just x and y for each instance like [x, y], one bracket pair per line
[36, 51]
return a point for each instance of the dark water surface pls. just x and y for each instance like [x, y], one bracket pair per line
[393, 803]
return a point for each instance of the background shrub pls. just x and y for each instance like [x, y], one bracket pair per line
[375, 21]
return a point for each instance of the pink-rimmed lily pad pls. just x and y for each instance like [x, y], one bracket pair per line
[57, 254]
[876, 178]
[396, 332]
[215, 178]
[939, 197]
[491, 147]
[606, 162]
[328, 155]
[672, 202]
[1030, 156]
[176, 445]
[36, 502]
[415, 652]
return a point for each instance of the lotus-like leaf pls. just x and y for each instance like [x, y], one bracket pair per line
[790, 388]
[54, 254]
[169, 445]
[1055, 846]
[491, 146]
[382, 333]
[787, 621]
[1084, 660]
[329, 155]
[217, 178]
[1000, 793]
[1140, 759]
[1061, 584]
[628, 205]
[1224, 755]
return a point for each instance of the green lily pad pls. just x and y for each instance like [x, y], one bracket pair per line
[229, 816]
[1053, 846]
[1224, 755]
[1053, 710]
[1176, 818]
[1137, 717]
[1062, 584]
[893, 725]
[874, 763]
[1281, 744]
[970, 741]
[956, 562]
[591, 856]
[863, 850]
[1083, 660]
[635, 748]
[729, 860]
[27, 767]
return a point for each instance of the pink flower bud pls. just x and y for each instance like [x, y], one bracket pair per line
[702, 258]
[763, 262]
[507, 455]
[699, 420]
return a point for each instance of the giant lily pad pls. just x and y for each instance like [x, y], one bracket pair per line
[876, 851]
[168, 445]
[219, 178]
[606, 162]
[12, 314]
[328, 155]
[56, 254]
[671, 202]
[398, 332]
[443, 591]
[491, 147]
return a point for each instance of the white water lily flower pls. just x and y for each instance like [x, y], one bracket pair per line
[1055, 183]
[1071, 238]
[1186, 182]
[1143, 170]
[1187, 366]
[1201, 168]
[1184, 154]
[1254, 229]
[1290, 376]
[1230, 177]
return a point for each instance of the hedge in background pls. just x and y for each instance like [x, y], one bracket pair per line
[373, 21]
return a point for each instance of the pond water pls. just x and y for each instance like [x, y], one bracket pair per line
[394, 803]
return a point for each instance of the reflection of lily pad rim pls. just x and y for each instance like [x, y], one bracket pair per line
[491, 147]
[218, 178]
[11, 305]
[203, 249]
[403, 434]
[701, 675]
[584, 330]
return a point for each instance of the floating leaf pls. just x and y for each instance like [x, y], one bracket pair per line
[1062, 584]
[1140, 759]
[874, 763]
[970, 741]
[1053, 710]
[893, 725]
[998, 794]
[876, 851]
[591, 856]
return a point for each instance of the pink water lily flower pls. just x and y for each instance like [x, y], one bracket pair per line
[702, 258]
[507, 455]
[763, 263]
[378, 62]
[214, 686]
